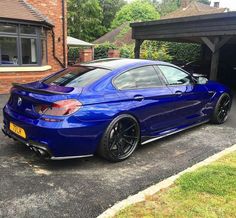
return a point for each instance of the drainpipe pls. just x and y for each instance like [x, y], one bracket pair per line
[63, 65]
[54, 50]
[63, 29]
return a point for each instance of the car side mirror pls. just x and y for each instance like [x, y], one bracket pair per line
[202, 80]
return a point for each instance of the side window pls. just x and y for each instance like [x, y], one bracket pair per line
[175, 76]
[140, 78]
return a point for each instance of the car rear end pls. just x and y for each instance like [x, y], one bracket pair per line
[45, 117]
[25, 120]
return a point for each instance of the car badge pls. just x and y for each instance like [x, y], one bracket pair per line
[19, 101]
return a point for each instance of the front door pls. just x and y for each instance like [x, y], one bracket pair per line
[189, 99]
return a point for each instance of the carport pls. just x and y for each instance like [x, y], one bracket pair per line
[213, 31]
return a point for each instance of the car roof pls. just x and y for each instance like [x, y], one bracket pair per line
[115, 63]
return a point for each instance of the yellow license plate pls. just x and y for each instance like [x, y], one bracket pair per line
[17, 130]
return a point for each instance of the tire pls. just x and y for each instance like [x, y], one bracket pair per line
[222, 109]
[120, 138]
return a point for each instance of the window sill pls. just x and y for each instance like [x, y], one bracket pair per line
[25, 69]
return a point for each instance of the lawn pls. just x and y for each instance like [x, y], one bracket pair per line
[207, 192]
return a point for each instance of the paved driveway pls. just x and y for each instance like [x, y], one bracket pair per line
[32, 187]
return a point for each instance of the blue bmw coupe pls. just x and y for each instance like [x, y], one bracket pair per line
[109, 107]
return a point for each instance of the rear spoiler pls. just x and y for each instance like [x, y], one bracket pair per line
[38, 91]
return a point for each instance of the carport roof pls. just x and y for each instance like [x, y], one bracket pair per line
[186, 29]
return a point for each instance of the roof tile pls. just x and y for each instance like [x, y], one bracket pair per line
[194, 9]
[21, 10]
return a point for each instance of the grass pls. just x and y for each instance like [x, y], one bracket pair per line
[207, 192]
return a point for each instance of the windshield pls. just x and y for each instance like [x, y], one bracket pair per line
[76, 76]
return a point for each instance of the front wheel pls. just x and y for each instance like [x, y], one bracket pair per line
[120, 139]
[222, 109]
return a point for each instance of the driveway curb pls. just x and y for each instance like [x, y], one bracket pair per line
[161, 185]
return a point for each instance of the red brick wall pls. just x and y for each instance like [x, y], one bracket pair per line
[112, 53]
[86, 55]
[53, 10]
[20, 77]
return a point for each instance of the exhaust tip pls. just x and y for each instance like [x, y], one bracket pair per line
[42, 153]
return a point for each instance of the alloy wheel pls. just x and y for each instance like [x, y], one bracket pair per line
[123, 138]
[224, 108]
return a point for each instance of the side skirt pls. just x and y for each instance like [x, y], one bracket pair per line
[171, 133]
[70, 157]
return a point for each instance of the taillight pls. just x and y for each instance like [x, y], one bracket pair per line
[59, 108]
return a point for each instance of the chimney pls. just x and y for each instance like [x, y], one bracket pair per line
[184, 3]
[217, 4]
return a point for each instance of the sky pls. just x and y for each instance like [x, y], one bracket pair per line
[231, 4]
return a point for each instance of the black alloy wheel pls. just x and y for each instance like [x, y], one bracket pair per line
[222, 109]
[120, 139]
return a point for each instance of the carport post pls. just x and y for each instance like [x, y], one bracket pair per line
[215, 48]
[215, 61]
[138, 43]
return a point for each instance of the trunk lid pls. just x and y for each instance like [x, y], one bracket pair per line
[24, 98]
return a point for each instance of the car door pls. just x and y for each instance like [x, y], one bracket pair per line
[189, 99]
[152, 99]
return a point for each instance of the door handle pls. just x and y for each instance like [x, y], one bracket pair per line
[138, 97]
[179, 93]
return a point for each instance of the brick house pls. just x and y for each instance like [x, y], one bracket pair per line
[32, 40]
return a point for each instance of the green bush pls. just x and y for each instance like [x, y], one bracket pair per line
[73, 53]
[184, 51]
[127, 51]
[155, 51]
[101, 51]
[149, 50]
[171, 51]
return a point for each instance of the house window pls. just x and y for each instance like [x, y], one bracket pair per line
[44, 51]
[22, 45]
[8, 50]
[8, 28]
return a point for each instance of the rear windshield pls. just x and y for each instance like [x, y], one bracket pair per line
[76, 76]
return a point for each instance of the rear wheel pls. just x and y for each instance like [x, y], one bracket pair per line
[120, 139]
[222, 109]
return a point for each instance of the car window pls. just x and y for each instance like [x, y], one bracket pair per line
[76, 76]
[175, 76]
[138, 78]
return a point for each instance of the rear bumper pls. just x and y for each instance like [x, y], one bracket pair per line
[40, 148]
[56, 141]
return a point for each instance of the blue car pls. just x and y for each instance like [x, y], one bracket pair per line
[110, 106]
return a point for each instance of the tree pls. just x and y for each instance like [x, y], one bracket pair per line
[138, 10]
[109, 9]
[85, 19]
[167, 6]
